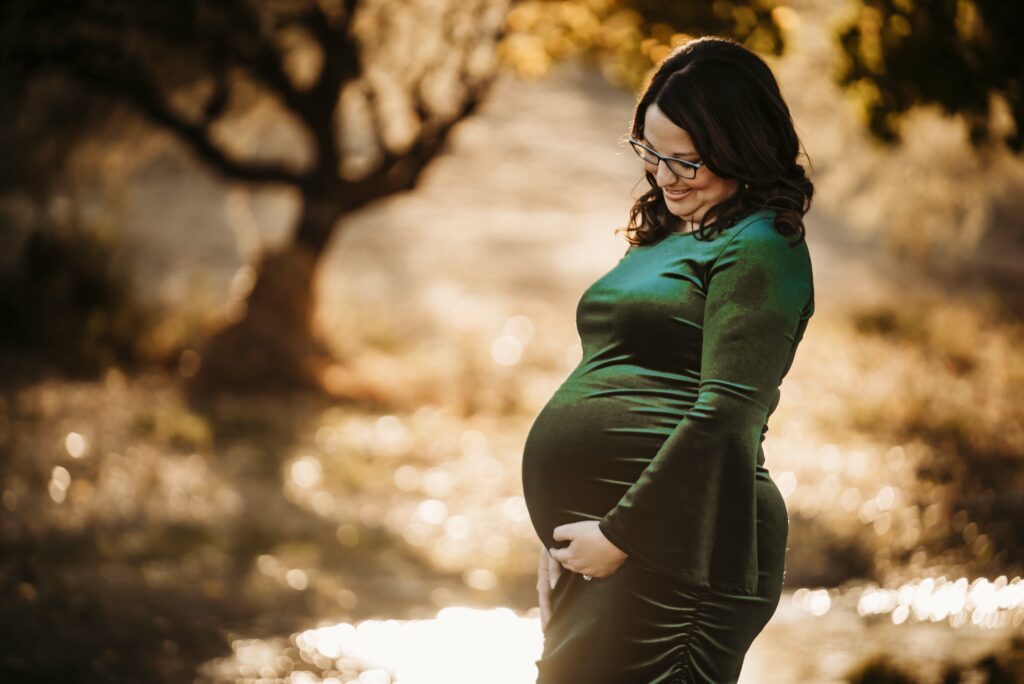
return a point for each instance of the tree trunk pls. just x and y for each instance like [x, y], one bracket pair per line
[272, 345]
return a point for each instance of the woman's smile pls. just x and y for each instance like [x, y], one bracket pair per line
[677, 195]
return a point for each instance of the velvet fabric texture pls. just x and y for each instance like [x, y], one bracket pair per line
[658, 434]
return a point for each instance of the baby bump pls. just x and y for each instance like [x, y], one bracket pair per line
[581, 455]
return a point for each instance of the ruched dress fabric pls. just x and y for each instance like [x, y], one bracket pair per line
[658, 435]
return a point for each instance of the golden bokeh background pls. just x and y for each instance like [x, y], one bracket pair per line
[276, 321]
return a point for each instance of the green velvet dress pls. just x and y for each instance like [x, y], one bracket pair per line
[658, 435]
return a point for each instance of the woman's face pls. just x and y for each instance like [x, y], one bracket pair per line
[687, 198]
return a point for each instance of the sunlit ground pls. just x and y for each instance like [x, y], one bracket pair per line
[446, 486]
[459, 645]
[466, 646]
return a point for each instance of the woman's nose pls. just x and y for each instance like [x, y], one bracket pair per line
[664, 176]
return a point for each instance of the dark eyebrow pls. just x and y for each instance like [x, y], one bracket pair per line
[673, 154]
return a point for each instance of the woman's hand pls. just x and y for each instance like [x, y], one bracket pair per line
[547, 574]
[589, 552]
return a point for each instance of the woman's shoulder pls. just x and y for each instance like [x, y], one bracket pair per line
[759, 226]
[755, 243]
[757, 233]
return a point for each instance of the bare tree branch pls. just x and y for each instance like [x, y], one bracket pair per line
[130, 81]
[256, 51]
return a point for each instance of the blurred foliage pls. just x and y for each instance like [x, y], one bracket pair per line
[69, 301]
[959, 54]
[881, 670]
[176, 426]
[1003, 665]
[821, 553]
[963, 55]
[44, 120]
[66, 297]
[627, 37]
[965, 405]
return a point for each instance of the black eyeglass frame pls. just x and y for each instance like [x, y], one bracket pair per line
[693, 167]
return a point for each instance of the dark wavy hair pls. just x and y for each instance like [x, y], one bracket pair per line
[728, 100]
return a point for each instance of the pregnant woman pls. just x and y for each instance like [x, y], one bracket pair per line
[644, 475]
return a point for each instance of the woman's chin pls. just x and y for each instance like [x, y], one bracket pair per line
[685, 213]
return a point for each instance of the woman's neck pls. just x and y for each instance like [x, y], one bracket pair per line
[687, 226]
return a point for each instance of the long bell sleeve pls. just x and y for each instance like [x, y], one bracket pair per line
[692, 513]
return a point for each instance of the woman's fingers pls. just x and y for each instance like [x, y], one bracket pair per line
[554, 568]
[544, 586]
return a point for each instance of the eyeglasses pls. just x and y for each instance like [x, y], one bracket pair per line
[680, 167]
